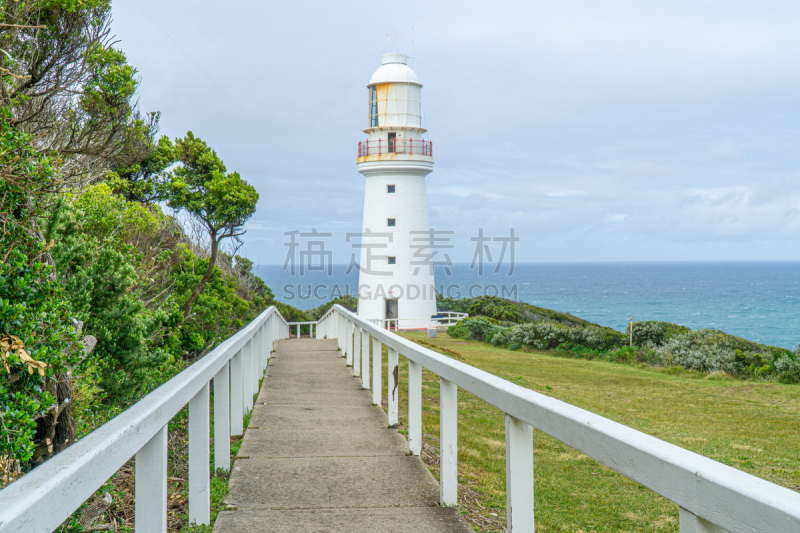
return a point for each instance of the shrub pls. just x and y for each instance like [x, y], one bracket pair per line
[36, 335]
[654, 332]
[548, 336]
[788, 368]
[478, 328]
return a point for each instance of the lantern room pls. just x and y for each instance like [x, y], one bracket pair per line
[394, 95]
[394, 114]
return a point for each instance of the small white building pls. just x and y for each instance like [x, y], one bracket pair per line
[395, 280]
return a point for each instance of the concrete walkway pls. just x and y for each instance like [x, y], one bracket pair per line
[319, 457]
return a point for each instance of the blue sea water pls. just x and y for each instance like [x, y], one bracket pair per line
[759, 301]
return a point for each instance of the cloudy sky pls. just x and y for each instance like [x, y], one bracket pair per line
[600, 130]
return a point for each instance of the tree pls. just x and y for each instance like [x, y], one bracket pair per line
[141, 181]
[37, 338]
[69, 88]
[221, 201]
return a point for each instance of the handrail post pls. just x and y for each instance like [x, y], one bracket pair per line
[340, 337]
[691, 523]
[519, 476]
[349, 332]
[222, 424]
[356, 351]
[199, 482]
[376, 371]
[237, 394]
[414, 407]
[262, 350]
[448, 442]
[392, 380]
[364, 360]
[151, 484]
[255, 375]
[247, 382]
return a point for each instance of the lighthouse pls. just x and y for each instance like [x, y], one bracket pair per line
[396, 277]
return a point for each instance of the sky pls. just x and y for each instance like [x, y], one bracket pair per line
[599, 130]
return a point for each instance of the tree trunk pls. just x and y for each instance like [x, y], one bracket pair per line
[207, 276]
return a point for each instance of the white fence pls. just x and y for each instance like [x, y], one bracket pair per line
[712, 497]
[45, 497]
[442, 318]
[298, 324]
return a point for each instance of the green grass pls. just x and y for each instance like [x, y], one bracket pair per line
[751, 426]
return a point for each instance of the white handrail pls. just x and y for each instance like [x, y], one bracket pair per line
[710, 495]
[41, 500]
[442, 318]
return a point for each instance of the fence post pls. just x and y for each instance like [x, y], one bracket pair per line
[448, 442]
[356, 350]
[254, 350]
[349, 331]
[222, 423]
[237, 394]
[691, 523]
[199, 481]
[519, 476]
[151, 484]
[364, 360]
[247, 383]
[270, 340]
[376, 371]
[339, 333]
[414, 407]
[392, 383]
[262, 350]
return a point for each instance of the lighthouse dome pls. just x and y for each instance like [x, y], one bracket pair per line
[394, 69]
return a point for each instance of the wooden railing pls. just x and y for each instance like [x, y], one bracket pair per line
[711, 496]
[41, 500]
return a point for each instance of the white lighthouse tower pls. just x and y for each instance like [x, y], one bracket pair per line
[395, 281]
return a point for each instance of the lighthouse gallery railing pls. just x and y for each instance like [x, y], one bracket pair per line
[395, 146]
[712, 497]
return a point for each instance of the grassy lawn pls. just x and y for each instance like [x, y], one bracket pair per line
[751, 426]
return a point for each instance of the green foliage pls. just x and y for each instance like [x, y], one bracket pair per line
[141, 181]
[221, 201]
[788, 367]
[25, 176]
[32, 304]
[32, 308]
[549, 335]
[201, 187]
[507, 312]
[348, 301]
[98, 266]
[654, 332]
[475, 328]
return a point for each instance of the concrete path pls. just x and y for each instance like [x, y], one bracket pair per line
[319, 457]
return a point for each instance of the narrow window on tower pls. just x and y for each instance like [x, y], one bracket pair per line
[390, 222]
[392, 140]
[390, 188]
[373, 107]
[392, 260]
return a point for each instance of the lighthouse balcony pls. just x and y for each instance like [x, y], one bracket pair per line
[395, 149]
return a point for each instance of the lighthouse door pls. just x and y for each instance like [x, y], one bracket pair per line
[392, 142]
[391, 308]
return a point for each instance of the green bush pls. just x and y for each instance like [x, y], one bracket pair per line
[548, 336]
[654, 332]
[34, 310]
[788, 368]
[475, 328]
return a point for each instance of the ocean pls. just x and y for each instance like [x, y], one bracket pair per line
[759, 301]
